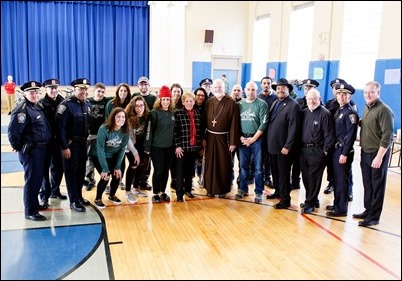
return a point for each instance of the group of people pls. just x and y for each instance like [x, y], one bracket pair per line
[198, 133]
[304, 136]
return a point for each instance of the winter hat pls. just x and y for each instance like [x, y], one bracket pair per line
[165, 92]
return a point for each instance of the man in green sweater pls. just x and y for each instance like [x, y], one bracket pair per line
[375, 139]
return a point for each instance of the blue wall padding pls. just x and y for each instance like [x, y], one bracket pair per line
[201, 70]
[245, 75]
[390, 93]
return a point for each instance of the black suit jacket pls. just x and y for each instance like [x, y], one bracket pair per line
[284, 126]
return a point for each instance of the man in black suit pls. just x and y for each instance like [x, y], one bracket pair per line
[283, 136]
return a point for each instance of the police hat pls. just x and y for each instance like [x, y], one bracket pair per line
[81, 83]
[143, 79]
[281, 82]
[344, 88]
[54, 82]
[30, 85]
[205, 81]
[311, 82]
[337, 81]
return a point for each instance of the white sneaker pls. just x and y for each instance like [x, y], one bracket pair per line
[139, 193]
[130, 198]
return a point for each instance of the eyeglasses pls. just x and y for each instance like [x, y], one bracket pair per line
[139, 105]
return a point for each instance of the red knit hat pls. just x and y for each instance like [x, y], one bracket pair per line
[165, 92]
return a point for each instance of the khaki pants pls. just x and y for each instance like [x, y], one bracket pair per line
[10, 102]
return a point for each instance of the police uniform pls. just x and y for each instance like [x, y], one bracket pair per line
[345, 124]
[73, 117]
[312, 84]
[28, 133]
[51, 185]
[332, 105]
[207, 81]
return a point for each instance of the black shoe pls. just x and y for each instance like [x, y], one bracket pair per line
[165, 197]
[329, 189]
[308, 210]
[363, 215]
[335, 214]
[145, 186]
[282, 205]
[222, 195]
[59, 196]
[316, 205]
[156, 199]
[76, 206]
[269, 183]
[210, 195]
[37, 217]
[90, 185]
[180, 199]
[84, 202]
[368, 222]
[189, 194]
[44, 205]
[330, 207]
[273, 196]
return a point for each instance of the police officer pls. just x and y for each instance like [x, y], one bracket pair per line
[73, 117]
[51, 185]
[332, 105]
[308, 84]
[345, 124]
[206, 84]
[28, 133]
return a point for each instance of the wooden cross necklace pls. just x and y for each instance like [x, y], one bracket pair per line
[215, 117]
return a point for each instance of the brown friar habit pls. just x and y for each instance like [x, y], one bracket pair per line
[222, 123]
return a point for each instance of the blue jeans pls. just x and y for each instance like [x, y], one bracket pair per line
[248, 154]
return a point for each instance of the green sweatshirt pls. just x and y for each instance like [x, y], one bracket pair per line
[107, 145]
[377, 127]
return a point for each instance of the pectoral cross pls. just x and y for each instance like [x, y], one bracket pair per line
[214, 122]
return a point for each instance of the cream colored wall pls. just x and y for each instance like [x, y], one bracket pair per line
[328, 26]
[229, 20]
[390, 37]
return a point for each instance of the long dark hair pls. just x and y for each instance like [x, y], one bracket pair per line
[110, 121]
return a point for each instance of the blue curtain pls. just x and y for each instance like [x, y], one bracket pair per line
[106, 42]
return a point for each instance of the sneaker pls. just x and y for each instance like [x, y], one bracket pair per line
[115, 200]
[107, 190]
[122, 186]
[258, 198]
[139, 193]
[165, 197]
[130, 198]
[156, 199]
[240, 194]
[90, 185]
[99, 204]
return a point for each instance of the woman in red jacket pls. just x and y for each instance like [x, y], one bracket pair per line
[9, 86]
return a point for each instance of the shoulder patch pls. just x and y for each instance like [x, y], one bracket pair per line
[353, 118]
[21, 117]
[61, 109]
